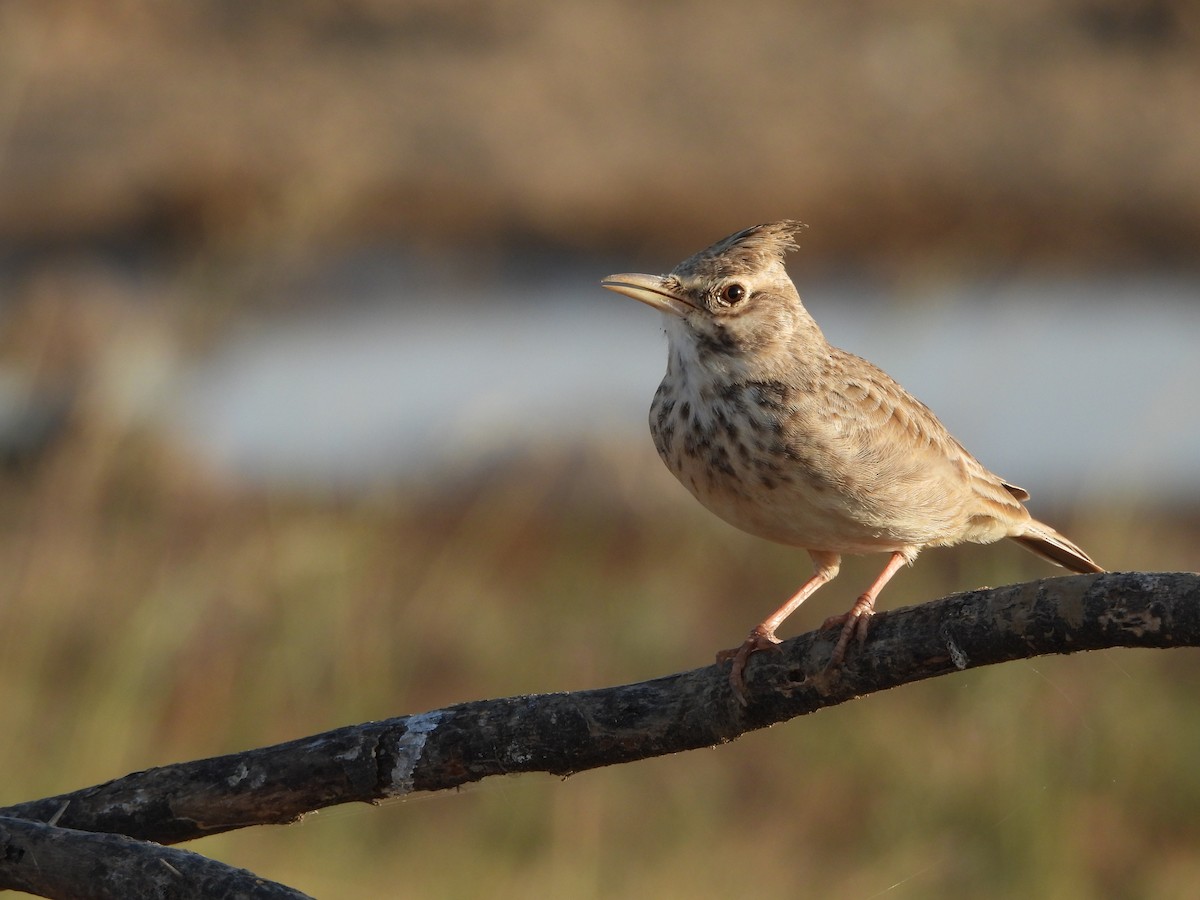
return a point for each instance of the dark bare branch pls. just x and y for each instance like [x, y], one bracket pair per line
[50, 861]
[571, 732]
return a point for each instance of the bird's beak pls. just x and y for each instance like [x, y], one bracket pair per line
[649, 289]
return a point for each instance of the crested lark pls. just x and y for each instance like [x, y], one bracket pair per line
[793, 440]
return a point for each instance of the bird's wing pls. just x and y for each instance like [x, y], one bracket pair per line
[885, 423]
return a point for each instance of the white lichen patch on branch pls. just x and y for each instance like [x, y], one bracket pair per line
[245, 778]
[408, 751]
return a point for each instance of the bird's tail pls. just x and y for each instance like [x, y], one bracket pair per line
[1047, 543]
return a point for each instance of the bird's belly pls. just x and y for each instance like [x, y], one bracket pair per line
[756, 466]
[788, 510]
[739, 468]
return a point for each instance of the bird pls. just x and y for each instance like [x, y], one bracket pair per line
[794, 440]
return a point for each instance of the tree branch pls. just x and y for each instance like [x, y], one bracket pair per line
[571, 732]
[58, 862]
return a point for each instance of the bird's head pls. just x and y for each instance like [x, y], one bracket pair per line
[732, 298]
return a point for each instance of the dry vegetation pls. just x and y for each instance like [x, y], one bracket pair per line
[156, 617]
[1045, 130]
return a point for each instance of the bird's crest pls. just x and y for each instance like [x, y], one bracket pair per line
[748, 251]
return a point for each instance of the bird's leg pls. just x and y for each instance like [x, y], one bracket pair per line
[858, 618]
[762, 636]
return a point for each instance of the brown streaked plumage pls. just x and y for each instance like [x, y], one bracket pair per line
[794, 440]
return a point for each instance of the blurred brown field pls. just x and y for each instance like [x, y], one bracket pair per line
[925, 134]
[154, 617]
[166, 168]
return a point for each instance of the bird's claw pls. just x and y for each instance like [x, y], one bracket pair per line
[856, 622]
[758, 639]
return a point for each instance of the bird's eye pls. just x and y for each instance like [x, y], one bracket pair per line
[733, 293]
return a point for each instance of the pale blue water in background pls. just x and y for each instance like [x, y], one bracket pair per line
[1073, 389]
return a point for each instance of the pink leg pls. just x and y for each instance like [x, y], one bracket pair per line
[762, 636]
[858, 619]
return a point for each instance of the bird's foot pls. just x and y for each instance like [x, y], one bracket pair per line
[854, 623]
[758, 639]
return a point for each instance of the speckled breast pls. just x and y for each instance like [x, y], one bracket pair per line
[736, 447]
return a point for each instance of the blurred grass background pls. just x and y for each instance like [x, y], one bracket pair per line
[167, 170]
